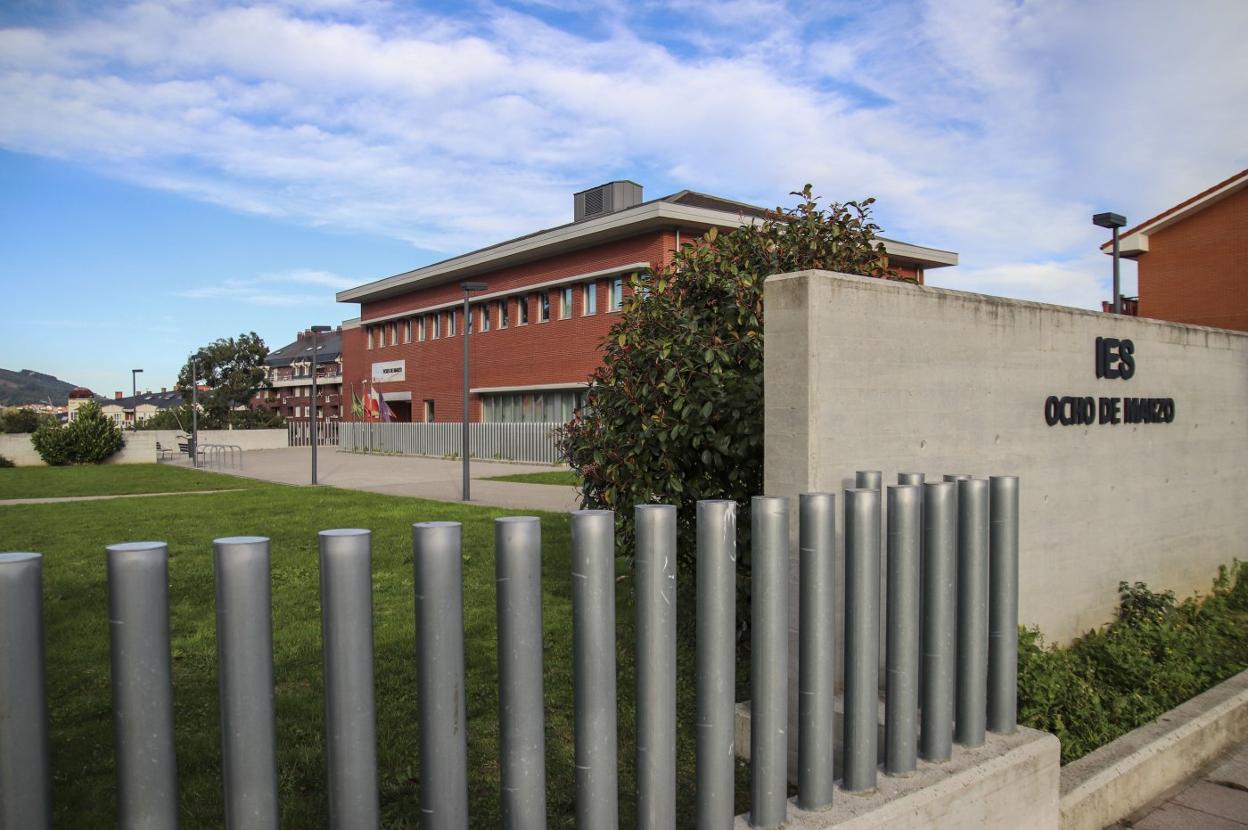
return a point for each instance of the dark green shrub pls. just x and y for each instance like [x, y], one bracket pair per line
[90, 438]
[1156, 654]
[20, 420]
[5, 461]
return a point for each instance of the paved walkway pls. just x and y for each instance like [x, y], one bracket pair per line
[404, 475]
[1218, 800]
[59, 499]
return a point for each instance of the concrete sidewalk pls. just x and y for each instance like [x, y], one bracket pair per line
[1218, 800]
[405, 475]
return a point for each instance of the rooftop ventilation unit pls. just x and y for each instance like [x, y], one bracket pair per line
[604, 199]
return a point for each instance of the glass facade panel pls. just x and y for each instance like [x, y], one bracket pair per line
[548, 406]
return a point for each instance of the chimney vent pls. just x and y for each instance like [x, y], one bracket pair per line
[117, 396]
[604, 199]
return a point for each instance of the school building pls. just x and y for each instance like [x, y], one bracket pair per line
[550, 297]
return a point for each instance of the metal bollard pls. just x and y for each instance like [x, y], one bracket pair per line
[862, 638]
[437, 564]
[919, 479]
[716, 663]
[972, 692]
[521, 712]
[816, 660]
[874, 480]
[940, 548]
[245, 665]
[655, 565]
[1003, 605]
[901, 728]
[142, 680]
[347, 643]
[593, 661]
[25, 792]
[769, 673]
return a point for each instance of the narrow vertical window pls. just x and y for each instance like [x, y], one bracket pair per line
[545, 310]
[523, 305]
[450, 323]
[565, 303]
[617, 293]
[591, 298]
[504, 306]
[485, 316]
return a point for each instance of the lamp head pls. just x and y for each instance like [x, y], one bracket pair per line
[1109, 220]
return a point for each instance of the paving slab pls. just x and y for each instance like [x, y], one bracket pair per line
[1216, 800]
[1171, 816]
[404, 475]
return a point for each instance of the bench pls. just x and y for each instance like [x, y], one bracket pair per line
[185, 447]
[163, 453]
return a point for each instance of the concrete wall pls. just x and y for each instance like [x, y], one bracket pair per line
[140, 446]
[868, 374]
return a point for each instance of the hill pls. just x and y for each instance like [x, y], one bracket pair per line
[28, 386]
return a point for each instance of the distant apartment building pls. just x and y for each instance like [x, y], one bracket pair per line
[550, 298]
[1192, 259]
[288, 374]
[135, 409]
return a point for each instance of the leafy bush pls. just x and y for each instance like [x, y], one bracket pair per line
[5, 461]
[20, 420]
[674, 414]
[1156, 654]
[179, 417]
[90, 438]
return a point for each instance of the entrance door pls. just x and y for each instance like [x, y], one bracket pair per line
[428, 412]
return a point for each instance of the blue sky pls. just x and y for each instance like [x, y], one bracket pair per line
[173, 172]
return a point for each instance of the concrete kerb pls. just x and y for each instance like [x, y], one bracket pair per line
[1154, 760]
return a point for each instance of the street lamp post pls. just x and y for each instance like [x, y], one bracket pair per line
[134, 393]
[194, 412]
[312, 422]
[1114, 221]
[468, 288]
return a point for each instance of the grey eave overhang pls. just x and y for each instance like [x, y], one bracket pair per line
[650, 216]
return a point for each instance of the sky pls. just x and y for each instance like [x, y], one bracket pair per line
[174, 172]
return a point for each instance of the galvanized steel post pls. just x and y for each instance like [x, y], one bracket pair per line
[593, 661]
[919, 479]
[769, 673]
[142, 680]
[655, 563]
[245, 665]
[1003, 605]
[816, 662]
[438, 570]
[862, 638]
[25, 794]
[901, 728]
[940, 551]
[716, 663]
[972, 691]
[347, 643]
[521, 714]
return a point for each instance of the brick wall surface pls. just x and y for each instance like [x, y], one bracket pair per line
[1196, 271]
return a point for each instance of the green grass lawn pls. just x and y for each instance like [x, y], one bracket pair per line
[72, 537]
[110, 480]
[564, 477]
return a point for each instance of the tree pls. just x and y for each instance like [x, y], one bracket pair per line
[674, 414]
[21, 420]
[233, 369]
[90, 438]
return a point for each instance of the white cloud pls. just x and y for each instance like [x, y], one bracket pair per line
[991, 127]
[302, 286]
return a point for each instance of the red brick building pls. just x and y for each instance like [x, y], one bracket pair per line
[1193, 258]
[551, 297]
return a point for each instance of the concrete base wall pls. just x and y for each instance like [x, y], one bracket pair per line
[140, 446]
[1150, 762]
[1011, 781]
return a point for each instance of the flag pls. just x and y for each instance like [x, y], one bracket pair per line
[386, 415]
[373, 404]
[357, 405]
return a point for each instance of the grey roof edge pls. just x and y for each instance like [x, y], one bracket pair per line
[654, 214]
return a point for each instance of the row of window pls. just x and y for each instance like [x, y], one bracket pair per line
[551, 407]
[491, 313]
